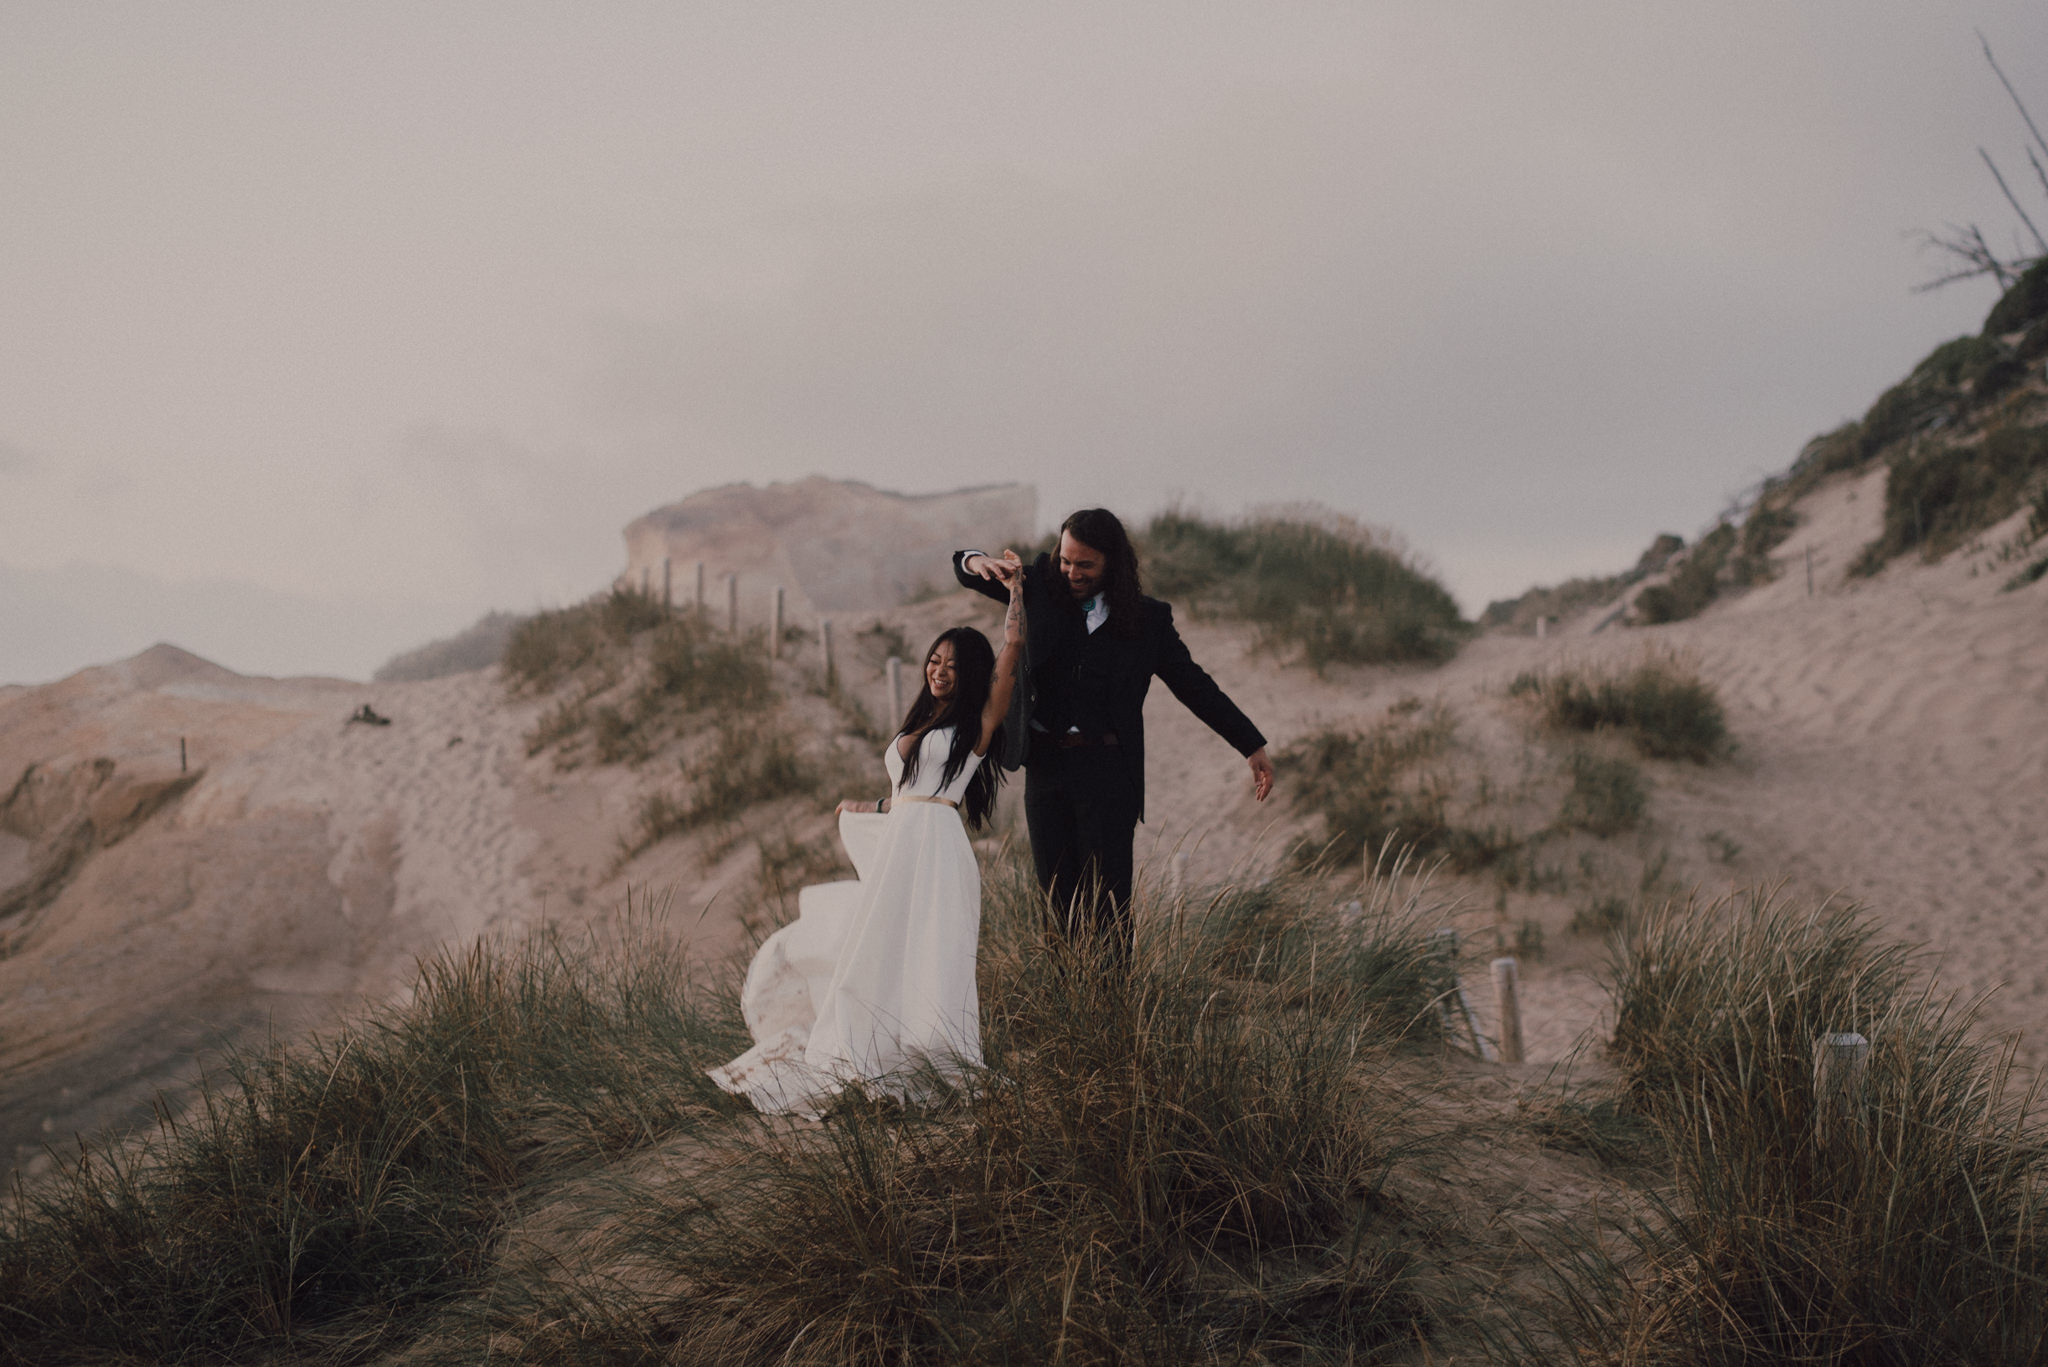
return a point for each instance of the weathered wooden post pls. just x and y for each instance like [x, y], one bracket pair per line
[646, 581]
[825, 650]
[1454, 1006]
[700, 588]
[732, 604]
[1809, 571]
[1841, 1066]
[181, 754]
[775, 626]
[1177, 875]
[895, 691]
[1542, 626]
[1507, 998]
[668, 596]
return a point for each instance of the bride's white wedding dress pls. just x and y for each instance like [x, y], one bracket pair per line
[876, 975]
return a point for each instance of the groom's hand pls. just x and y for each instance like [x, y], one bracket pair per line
[1262, 773]
[988, 567]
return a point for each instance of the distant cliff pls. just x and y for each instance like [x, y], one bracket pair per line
[832, 545]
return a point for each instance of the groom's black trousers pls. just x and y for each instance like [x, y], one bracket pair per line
[1082, 811]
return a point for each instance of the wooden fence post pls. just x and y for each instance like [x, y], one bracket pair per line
[700, 588]
[895, 691]
[732, 604]
[668, 596]
[825, 649]
[1809, 571]
[1454, 1006]
[1542, 626]
[1841, 1065]
[181, 754]
[775, 627]
[1507, 998]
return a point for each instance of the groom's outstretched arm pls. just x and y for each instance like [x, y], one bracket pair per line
[1201, 695]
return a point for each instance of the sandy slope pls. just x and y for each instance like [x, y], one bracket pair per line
[1892, 747]
[1892, 732]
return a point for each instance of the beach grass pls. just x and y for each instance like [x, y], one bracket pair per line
[1660, 701]
[1908, 1229]
[322, 1199]
[1334, 593]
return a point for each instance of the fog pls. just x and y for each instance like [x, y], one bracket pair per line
[324, 329]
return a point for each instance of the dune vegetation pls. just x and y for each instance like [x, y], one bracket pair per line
[1902, 1222]
[1336, 594]
[1235, 1152]
[1151, 1166]
[1659, 702]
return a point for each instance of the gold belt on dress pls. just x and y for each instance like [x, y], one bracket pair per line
[942, 801]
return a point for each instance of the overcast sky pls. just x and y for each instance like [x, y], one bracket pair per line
[326, 327]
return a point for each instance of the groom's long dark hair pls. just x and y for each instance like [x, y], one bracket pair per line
[974, 667]
[1100, 529]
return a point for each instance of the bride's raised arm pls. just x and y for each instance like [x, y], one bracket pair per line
[1008, 659]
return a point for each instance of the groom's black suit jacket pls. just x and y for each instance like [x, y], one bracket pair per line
[1055, 632]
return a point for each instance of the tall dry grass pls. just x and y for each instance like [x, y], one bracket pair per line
[1182, 1161]
[1912, 1234]
[322, 1200]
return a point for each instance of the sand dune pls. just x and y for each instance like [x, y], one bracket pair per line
[1891, 746]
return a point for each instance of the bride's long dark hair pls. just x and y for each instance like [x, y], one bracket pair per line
[974, 667]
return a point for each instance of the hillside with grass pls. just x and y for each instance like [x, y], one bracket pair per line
[502, 937]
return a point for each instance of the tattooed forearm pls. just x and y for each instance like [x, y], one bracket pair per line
[1013, 620]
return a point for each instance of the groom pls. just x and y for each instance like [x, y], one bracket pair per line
[1092, 645]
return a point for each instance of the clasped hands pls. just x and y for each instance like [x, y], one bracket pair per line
[1008, 571]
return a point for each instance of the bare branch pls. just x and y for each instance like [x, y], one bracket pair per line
[2035, 162]
[1971, 253]
[2018, 103]
[2010, 199]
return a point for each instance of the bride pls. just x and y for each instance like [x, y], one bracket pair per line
[875, 977]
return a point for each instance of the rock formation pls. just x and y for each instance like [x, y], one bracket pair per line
[831, 545]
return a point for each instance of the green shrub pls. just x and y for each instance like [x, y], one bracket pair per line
[1831, 451]
[1938, 495]
[548, 647]
[1606, 795]
[1661, 703]
[700, 669]
[2026, 302]
[750, 762]
[684, 668]
[1693, 585]
[1912, 1232]
[1370, 789]
[1337, 596]
[1575, 594]
[1603, 914]
[324, 1197]
[1957, 376]
[1763, 531]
